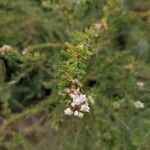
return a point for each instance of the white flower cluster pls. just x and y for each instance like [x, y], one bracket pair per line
[139, 104]
[116, 104]
[129, 67]
[91, 100]
[5, 49]
[140, 84]
[78, 105]
[25, 51]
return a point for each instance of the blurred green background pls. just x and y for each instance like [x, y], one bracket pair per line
[29, 102]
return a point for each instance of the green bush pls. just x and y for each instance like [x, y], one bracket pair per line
[106, 58]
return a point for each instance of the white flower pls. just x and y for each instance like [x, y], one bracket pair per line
[98, 25]
[116, 105]
[25, 51]
[72, 95]
[68, 111]
[79, 114]
[139, 104]
[73, 104]
[91, 99]
[77, 99]
[140, 84]
[76, 113]
[129, 67]
[5, 49]
[85, 108]
[79, 104]
[83, 98]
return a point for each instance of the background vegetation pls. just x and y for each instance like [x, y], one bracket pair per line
[31, 113]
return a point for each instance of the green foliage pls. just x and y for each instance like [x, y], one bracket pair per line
[73, 67]
[108, 52]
